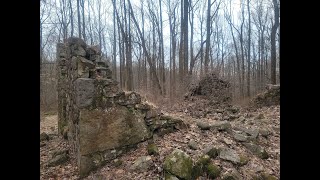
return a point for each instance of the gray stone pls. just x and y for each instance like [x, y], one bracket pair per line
[221, 125]
[152, 113]
[233, 174]
[78, 51]
[264, 132]
[142, 164]
[203, 125]
[257, 150]
[76, 41]
[59, 152]
[118, 127]
[240, 137]
[58, 159]
[192, 144]
[85, 90]
[212, 151]
[179, 164]
[252, 132]
[229, 155]
[93, 50]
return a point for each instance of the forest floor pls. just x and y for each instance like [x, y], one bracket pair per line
[265, 119]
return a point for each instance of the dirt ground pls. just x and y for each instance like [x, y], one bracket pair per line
[267, 118]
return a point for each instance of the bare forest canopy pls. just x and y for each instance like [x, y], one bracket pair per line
[159, 47]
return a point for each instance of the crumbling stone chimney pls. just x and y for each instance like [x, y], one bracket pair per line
[101, 121]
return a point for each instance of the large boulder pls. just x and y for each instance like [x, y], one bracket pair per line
[179, 164]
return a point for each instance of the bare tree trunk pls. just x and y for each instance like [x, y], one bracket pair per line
[206, 59]
[152, 68]
[181, 53]
[79, 19]
[129, 57]
[185, 36]
[114, 44]
[273, 42]
[162, 75]
[71, 17]
[83, 22]
[249, 44]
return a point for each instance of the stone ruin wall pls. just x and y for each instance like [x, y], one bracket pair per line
[100, 120]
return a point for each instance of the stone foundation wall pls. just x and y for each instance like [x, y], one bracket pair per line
[101, 121]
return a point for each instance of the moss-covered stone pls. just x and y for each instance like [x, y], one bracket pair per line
[169, 176]
[199, 167]
[213, 170]
[179, 164]
[211, 151]
[232, 175]
[152, 149]
[266, 176]
[263, 176]
[243, 160]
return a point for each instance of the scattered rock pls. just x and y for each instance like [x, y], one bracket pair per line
[251, 132]
[266, 176]
[240, 137]
[58, 159]
[192, 144]
[152, 149]
[233, 109]
[242, 119]
[221, 125]
[213, 171]
[117, 162]
[276, 128]
[179, 164]
[141, 164]
[203, 125]
[44, 137]
[42, 144]
[200, 166]
[211, 151]
[257, 150]
[59, 152]
[233, 174]
[264, 132]
[243, 159]
[169, 176]
[229, 155]
[260, 116]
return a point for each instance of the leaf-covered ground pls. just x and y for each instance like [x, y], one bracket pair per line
[266, 118]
